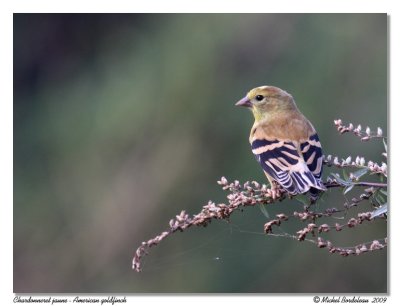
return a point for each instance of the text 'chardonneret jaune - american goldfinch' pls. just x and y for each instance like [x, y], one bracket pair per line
[284, 142]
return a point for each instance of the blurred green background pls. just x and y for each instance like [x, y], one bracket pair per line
[123, 120]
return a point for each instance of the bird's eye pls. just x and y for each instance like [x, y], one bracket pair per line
[259, 97]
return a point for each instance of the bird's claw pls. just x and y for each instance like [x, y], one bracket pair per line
[275, 192]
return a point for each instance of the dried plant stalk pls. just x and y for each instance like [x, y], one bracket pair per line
[254, 193]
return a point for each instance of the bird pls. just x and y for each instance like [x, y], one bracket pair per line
[284, 142]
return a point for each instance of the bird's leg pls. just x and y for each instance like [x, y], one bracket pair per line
[275, 190]
[274, 187]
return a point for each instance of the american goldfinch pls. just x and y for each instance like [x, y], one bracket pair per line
[284, 142]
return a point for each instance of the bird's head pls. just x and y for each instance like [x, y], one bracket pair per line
[265, 101]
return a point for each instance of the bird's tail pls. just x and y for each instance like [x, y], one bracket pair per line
[315, 192]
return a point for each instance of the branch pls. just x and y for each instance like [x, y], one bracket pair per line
[254, 193]
[250, 194]
[332, 184]
[240, 197]
[358, 163]
[364, 135]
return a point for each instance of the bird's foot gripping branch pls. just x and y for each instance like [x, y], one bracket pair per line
[371, 193]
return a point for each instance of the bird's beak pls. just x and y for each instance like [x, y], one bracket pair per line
[244, 102]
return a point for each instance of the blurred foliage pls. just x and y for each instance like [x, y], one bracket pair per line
[123, 120]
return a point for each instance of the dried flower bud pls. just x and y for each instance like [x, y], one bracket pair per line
[352, 222]
[268, 225]
[375, 245]
[311, 226]
[321, 243]
[338, 122]
[336, 160]
[368, 131]
[282, 217]
[256, 184]
[364, 216]
[223, 181]
[301, 235]
[379, 131]
[323, 228]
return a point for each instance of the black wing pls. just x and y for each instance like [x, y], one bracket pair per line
[282, 161]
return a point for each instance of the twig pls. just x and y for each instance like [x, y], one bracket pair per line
[364, 135]
[250, 194]
[254, 193]
[332, 184]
